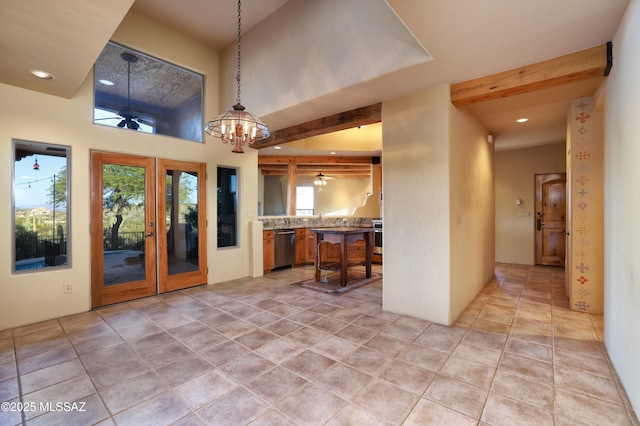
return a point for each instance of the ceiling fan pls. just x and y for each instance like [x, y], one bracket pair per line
[321, 179]
[130, 119]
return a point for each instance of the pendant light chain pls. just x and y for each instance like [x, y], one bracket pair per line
[239, 32]
[237, 126]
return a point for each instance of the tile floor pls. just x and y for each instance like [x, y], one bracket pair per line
[263, 352]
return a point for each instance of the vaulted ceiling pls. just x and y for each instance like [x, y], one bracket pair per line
[344, 53]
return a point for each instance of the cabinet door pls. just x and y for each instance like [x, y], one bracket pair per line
[310, 247]
[268, 254]
[301, 246]
[357, 251]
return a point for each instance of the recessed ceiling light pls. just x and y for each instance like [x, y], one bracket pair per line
[332, 153]
[42, 74]
[106, 82]
[522, 120]
[277, 147]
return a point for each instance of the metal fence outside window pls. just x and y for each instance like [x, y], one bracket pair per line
[125, 241]
[32, 246]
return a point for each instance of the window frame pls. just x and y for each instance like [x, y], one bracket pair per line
[302, 211]
[236, 208]
[148, 109]
[43, 147]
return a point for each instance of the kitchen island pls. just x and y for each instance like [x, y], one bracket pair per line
[329, 241]
[262, 235]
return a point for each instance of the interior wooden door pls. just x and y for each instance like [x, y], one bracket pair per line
[550, 220]
[123, 216]
[182, 225]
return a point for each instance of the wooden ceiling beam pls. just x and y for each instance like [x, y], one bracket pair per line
[340, 175]
[581, 65]
[284, 159]
[333, 166]
[313, 169]
[332, 123]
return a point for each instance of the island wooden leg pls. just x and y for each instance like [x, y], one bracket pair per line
[343, 261]
[369, 254]
[317, 256]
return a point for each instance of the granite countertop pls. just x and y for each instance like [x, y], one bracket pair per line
[288, 222]
[342, 230]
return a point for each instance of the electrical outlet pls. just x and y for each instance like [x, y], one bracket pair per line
[67, 288]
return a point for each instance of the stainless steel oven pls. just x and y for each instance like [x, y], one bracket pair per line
[377, 236]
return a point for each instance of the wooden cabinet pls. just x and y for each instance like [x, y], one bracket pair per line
[301, 246]
[331, 252]
[310, 246]
[357, 251]
[305, 246]
[268, 254]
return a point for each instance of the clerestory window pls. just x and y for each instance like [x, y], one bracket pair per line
[138, 92]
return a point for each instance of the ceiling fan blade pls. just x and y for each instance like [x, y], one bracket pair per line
[145, 122]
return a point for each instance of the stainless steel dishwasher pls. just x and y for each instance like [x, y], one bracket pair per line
[285, 247]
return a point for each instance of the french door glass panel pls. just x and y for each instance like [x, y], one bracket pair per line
[182, 229]
[123, 223]
[123, 241]
[181, 219]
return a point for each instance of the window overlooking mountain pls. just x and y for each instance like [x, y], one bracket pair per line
[41, 214]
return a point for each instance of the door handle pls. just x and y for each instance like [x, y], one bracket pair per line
[539, 224]
[150, 234]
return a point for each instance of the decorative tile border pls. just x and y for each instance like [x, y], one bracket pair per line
[583, 190]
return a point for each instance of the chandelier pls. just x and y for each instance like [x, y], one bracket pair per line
[237, 126]
[319, 180]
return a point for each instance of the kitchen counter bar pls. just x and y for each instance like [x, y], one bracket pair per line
[344, 237]
[292, 222]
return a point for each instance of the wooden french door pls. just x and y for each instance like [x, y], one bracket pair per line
[182, 237]
[140, 244]
[550, 220]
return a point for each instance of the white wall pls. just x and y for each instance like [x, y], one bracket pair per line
[438, 207]
[350, 43]
[339, 197]
[472, 210]
[514, 178]
[622, 204]
[273, 195]
[415, 141]
[27, 115]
